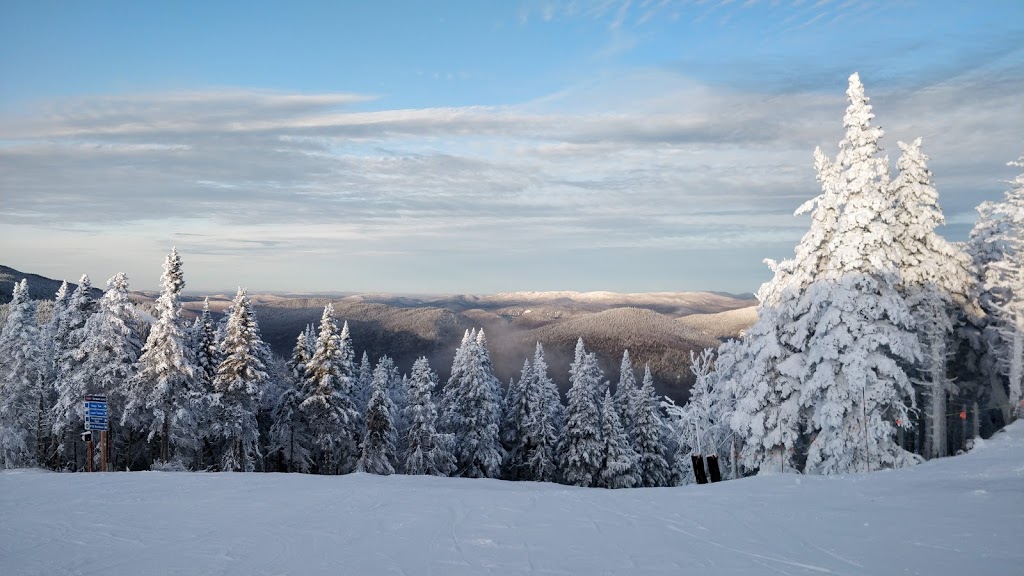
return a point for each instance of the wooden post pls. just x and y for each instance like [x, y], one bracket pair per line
[714, 473]
[103, 451]
[88, 456]
[698, 469]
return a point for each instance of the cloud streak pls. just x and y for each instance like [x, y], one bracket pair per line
[666, 166]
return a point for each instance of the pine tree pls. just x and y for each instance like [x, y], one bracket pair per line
[110, 351]
[543, 424]
[646, 438]
[473, 410]
[854, 384]
[618, 460]
[329, 408]
[364, 383]
[767, 388]
[936, 279]
[289, 433]
[515, 413]
[580, 445]
[206, 351]
[626, 394]
[1003, 293]
[22, 373]
[378, 447]
[426, 451]
[240, 377]
[70, 383]
[159, 398]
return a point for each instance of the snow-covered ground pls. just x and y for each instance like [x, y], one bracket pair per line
[962, 516]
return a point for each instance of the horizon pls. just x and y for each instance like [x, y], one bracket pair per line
[629, 147]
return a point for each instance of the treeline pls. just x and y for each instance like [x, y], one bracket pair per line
[211, 396]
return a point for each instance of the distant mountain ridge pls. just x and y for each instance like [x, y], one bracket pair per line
[39, 287]
[659, 328]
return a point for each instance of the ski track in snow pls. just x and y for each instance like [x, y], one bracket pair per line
[962, 515]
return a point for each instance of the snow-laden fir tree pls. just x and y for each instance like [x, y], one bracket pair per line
[998, 241]
[22, 373]
[426, 451]
[766, 384]
[48, 337]
[580, 447]
[289, 432]
[936, 278]
[618, 460]
[647, 435]
[111, 348]
[70, 378]
[206, 351]
[515, 412]
[538, 448]
[473, 410]
[329, 408]
[854, 384]
[626, 394]
[240, 377]
[364, 383]
[396, 387]
[159, 397]
[378, 446]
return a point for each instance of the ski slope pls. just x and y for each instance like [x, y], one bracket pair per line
[962, 515]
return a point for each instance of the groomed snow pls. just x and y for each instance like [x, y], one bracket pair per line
[957, 516]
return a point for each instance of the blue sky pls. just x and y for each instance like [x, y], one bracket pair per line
[473, 146]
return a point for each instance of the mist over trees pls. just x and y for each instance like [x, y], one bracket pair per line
[878, 344]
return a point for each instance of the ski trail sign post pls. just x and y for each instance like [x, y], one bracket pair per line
[97, 419]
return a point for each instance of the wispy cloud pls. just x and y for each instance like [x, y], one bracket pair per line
[661, 164]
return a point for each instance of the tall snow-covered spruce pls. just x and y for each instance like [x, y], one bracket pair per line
[473, 410]
[159, 397]
[426, 450]
[329, 407]
[580, 450]
[237, 388]
[22, 373]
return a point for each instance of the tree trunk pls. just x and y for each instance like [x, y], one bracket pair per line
[164, 441]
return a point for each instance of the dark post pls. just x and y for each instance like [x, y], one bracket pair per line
[88, 456]
[698, 469]
[713, 471]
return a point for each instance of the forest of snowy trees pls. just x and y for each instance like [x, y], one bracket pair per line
[878, 344]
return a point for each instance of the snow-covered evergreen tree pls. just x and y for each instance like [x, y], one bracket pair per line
[473, 411]
[647, 436]
[289, 432]
[240, 378]
[618, 460]
[364, 383]
[998, 239]
[854, 384]
[580, 448]
[71, 381]
[378, 447]
[159, 399]
[767, 388]
[936, 278]
[329, 408]
[22, 373]
[111, 348]
[626, 394]
[515, 413]
[426, 450]
[536, 455]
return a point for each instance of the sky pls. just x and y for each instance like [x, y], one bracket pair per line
[476, 146]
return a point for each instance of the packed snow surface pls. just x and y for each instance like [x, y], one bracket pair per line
[961, 515]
